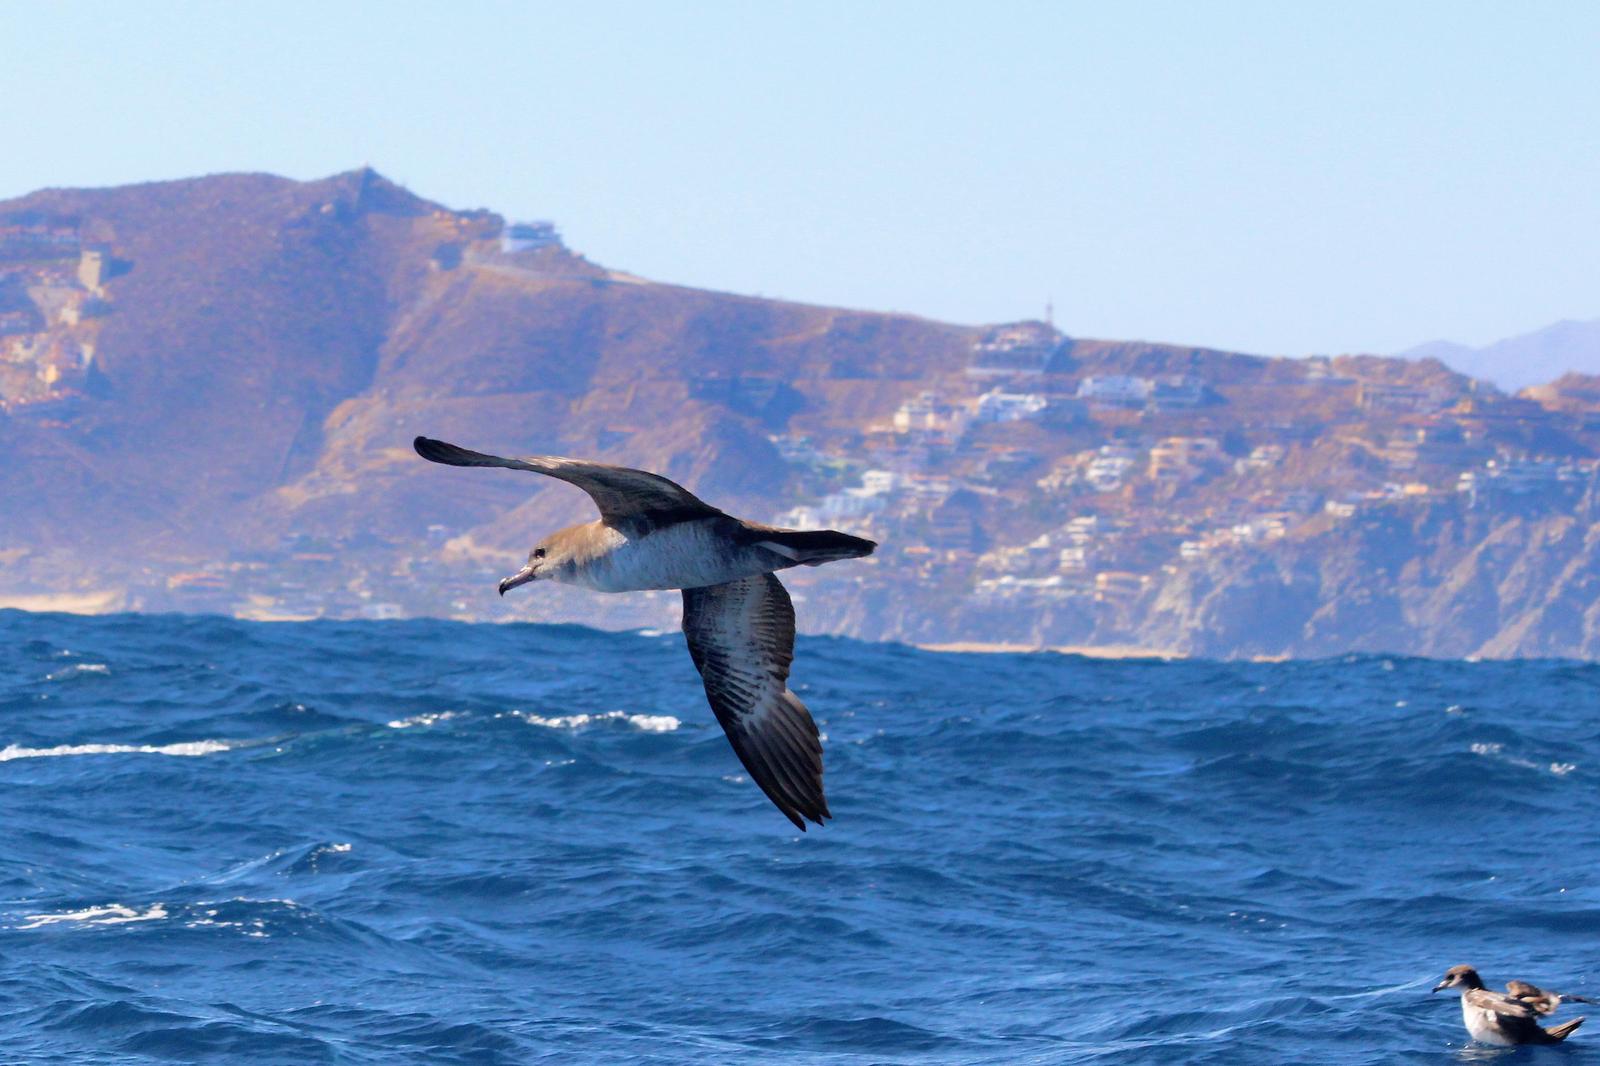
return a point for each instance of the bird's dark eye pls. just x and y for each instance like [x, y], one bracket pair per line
[538, 553]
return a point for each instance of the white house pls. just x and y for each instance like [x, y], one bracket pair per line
[1115, 389]
[998, 406]
[526, 236]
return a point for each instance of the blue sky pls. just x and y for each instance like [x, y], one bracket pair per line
[1267, 177]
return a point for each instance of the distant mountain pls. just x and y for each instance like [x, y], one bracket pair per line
[1529, 359]
[208, 390]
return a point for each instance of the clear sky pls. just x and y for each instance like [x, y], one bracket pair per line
[1283, 177]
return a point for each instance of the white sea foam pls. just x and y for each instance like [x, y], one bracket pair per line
[1559, 769]
[423, 719]
[648, 723]
[193, 916]
[207, 915]
[189, 748]
[110, 914]
[77, 670]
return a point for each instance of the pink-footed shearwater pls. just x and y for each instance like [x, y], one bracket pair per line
[1505, 1018]
[739, 622]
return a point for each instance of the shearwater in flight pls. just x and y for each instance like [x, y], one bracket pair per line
[655, 534]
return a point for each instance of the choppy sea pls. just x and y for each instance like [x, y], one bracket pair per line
[433, 842]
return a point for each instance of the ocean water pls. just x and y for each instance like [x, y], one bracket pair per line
[441, 843]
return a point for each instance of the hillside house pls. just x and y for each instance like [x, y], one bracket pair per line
[929, 416]
[1408, 399]
[1021, 348]
[92, 267]
[849, 504]
[935, 487]
[1512, 476]
[1115, 390]
[1261, 457]
[1082, 529]
[528, 236]
[1011, 587]
[1075, 558]
[1109, 467]
[1184, 458]
[1059, 480]
[37, 238]
[998, 406]
[1118, 585]
[801, 517]
[1177, 392]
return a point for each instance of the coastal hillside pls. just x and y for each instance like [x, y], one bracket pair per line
[208, 390]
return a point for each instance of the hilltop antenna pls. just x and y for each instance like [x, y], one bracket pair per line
[1049, 312]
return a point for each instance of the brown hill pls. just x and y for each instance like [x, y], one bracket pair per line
[208, 390]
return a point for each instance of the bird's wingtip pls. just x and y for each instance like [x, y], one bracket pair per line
[436, 451]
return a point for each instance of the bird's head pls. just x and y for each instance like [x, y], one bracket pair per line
[1460, 977]
[555, 558]
[538, 560]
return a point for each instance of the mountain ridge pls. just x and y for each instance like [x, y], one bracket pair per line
[208, 389]
[1525, 360]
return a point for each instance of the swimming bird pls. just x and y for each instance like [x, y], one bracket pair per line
[739, 622]
[1500, 1017]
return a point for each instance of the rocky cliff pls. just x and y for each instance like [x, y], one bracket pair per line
[209, 388]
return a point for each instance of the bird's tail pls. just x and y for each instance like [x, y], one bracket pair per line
[813, 547]
[1564, 1030]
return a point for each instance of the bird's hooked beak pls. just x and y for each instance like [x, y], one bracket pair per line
[1442, 984]
[521, 577]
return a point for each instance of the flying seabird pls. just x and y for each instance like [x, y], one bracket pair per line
[737, 617]
[1505, 1018]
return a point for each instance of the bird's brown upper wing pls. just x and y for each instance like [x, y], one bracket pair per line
[741, 637]
[627, 498]
[1517, 1019]
[1542, 1001]
[1533, 996]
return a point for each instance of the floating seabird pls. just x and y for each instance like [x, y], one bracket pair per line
[739, 621]
[1505, 1018]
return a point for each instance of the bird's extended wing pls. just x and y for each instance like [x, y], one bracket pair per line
[1541, 1001]
[1533, 996]
[625, 497]
[741, 637]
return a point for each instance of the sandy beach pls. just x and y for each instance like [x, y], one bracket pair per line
[1091, 651]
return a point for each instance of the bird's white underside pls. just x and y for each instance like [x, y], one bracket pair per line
[683, 555]
[1482, 1024]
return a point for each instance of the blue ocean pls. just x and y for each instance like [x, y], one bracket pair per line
[431, 842]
